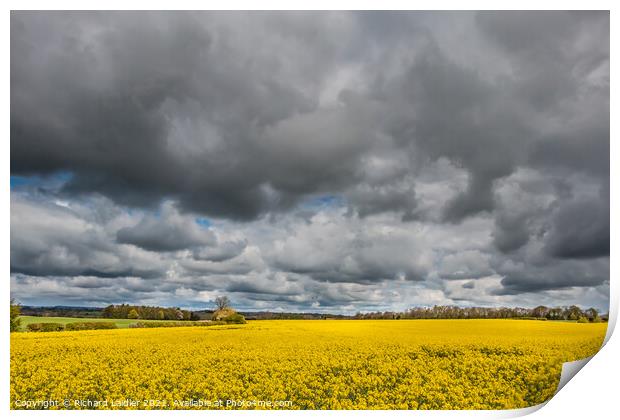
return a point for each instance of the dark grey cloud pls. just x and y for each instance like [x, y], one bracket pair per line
[175, 86]
[398, 196]
[223, 251]
[335, 153]
[580, 230]
[52, 240]
[562, 276]
[168, 231]
[469, 285]
[245, 263]
[510, 232]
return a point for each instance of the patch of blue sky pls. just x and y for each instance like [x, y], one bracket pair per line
[52, 181]
[204, 222]
[324, 201]
[20, 181]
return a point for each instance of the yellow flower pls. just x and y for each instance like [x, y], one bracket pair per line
[401, 364]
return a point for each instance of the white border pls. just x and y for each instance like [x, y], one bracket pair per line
[590, 394]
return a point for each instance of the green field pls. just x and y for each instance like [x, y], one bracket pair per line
[120, 323]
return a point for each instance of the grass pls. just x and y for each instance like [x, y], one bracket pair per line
[120, 323]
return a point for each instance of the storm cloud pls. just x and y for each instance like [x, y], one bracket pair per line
[167, 232]
[310, 160]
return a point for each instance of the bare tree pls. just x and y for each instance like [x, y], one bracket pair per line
[222, 302]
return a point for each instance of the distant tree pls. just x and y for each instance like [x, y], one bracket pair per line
[554, 313]
[222, 302]
[148, 312]
[133, 314]
[108, 311]
[592, 313]
[540, 312]
[15, 311]
[454, 312]
[234, 318]
[573, 313]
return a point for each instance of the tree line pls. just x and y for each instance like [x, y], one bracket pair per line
[15, 312]
[567, 313]
[125, 311]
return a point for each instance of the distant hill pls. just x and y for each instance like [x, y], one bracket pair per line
[62, 311]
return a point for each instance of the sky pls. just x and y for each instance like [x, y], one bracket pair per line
[310, 161]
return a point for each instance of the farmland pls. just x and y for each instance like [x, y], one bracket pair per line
[120, 323]
[399, 364]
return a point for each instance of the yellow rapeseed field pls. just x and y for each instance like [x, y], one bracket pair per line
[401, 364]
